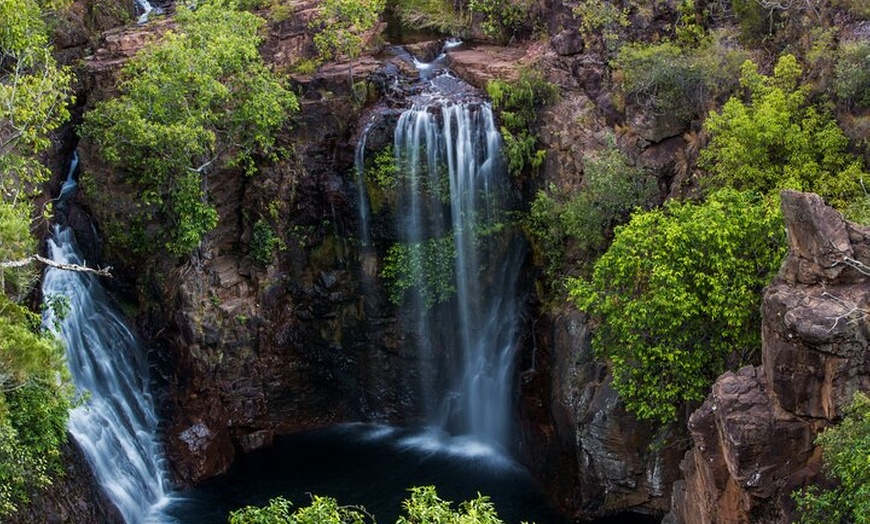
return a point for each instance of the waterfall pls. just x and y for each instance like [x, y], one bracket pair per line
[452, 190]
[116, 424]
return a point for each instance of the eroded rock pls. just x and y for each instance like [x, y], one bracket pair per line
[753, 436]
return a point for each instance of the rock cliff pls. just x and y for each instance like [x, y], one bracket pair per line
[753, 436]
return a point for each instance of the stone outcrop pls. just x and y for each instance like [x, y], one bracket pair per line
[753, 436]
[594, 455]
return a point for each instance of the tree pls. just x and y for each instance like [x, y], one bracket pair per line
[341, 25]
[678, 295]
[34, 93]
[584, 221]
[776, 141]
[200, 98]
[423, 507]
[845, 451]
[34, 385]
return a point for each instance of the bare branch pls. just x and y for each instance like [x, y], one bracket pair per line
[103, 272]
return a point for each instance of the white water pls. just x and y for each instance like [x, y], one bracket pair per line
[116, 425]
[145, 10]
[453, 183]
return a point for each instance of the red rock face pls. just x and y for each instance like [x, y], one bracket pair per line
[753, 436]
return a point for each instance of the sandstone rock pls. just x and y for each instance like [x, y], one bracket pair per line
[753, 437]
[618, 462]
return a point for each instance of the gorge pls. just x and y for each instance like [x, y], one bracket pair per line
[375, 299]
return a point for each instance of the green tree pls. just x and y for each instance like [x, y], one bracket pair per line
[846, 455]
[34, 93]
[776, 140]
[583, 222]
[341, 25]
[202, 97]
[678, 295]
[34, 386]
[423, 507]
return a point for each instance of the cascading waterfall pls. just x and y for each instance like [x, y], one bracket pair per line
[116, 425]
[452, 191]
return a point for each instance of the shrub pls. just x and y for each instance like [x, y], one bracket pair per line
[678, 295]
[777, 141]
[501, 19]
[263, 242]
[517, 103]
[437, 15]
[585, 221]
[852, 74]
[845, 449]
[662, 79]
[423, 507]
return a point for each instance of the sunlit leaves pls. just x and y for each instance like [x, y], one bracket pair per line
[423, 507]
[777, 141]
[678, 294]
[846, 454]
[200, 98]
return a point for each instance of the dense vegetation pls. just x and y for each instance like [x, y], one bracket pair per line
[423, 507]
[678, 295]
[199, 98]
[845, 449]
[34, 387]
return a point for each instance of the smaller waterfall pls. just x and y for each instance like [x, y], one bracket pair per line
[145, 10]
[116, 425]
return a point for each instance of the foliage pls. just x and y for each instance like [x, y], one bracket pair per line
[755, 22]
[423, 269]
[201, 97]
[263, 242]
[34, 387]
[661, 79]
[34, 93]
[845, 451]
[777, 141]
[426, 506]
[423, 507]
[517, 103]
[585, 220]
[437, 15]
[678, 294]
[34, 402]
[602, 17]
[322, 510]
[341, 24]
[688, 30]
[500, 19]
[852, 74]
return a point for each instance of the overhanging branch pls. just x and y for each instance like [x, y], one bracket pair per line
[103, 272]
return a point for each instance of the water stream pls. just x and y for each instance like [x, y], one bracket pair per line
[452, 198]
[115, 426]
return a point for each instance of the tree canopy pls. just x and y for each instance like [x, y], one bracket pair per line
[776, 140]
[423, 507]
[678, 294]
[34, 387]
[201, 97]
